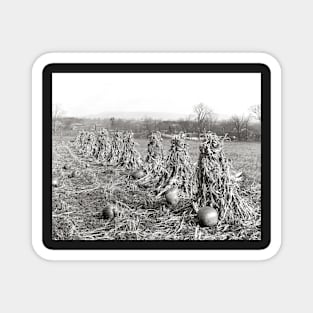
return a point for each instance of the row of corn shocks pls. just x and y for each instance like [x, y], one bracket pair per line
[210, 183]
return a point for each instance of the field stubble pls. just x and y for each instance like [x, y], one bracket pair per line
[78, 201]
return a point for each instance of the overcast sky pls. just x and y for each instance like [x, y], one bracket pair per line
[88, 94]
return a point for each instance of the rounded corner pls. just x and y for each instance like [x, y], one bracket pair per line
[271, 250]
[43, 61]
[270, 61]
[42, 250]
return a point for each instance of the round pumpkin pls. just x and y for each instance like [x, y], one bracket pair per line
[75, 173]
[171, 196]
[138, 174]
[108, 212]
[207, 216]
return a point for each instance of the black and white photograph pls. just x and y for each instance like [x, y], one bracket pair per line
[156, 157]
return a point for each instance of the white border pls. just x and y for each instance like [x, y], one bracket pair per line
[158, 57]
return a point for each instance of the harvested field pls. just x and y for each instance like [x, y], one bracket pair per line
[141, 210]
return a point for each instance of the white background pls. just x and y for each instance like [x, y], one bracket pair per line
[30, 28]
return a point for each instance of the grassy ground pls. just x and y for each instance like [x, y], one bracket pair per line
[78, 201]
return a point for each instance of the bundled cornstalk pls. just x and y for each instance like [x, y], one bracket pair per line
[116, 150]
[154, 165]
[216, 185]
[129, 157]
[103, 145]
[81, 140]
[155, 155]
[178, 168]
[89, 145]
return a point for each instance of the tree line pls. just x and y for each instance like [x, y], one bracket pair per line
[241, 127]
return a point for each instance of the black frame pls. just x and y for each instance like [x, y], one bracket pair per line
[157, 68]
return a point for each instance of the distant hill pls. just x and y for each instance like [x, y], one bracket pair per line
[140, 115]
[143, 115]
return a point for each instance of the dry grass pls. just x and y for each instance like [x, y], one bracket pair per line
[78, 201]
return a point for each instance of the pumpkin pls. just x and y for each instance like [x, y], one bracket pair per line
[108, 212]
[138, 174]
[171, 196]
[207, 216]
[75, 173]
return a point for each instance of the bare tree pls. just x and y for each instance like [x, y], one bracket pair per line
[204, 117]
[211, 119]
[112, 121]
[256, 111]
[149, 124]
[246, 126]
[240, 124]
[56, 115]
